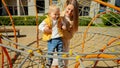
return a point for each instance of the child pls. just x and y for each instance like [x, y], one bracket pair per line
[70, 18]
[52, 32]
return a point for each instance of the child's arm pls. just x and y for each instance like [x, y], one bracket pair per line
[44, 27]
[71, 24]
[64, 27]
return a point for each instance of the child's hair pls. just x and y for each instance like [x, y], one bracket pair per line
[53, 8]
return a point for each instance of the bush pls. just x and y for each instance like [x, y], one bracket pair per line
[84, 21]
[21, 20]
[4, 20]
[111, 19]
[31, 20]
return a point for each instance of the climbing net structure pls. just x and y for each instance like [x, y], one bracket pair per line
[100, 36]
[91, 46]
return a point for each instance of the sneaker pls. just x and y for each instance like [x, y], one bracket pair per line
[62, 66]
[47, 66]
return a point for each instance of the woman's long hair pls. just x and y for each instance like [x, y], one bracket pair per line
[75, 13]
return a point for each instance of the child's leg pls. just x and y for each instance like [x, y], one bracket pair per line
[55, 62]
[51, 48]
[52, 44]
[60, 49]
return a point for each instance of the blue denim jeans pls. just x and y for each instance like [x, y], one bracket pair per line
[53, 44]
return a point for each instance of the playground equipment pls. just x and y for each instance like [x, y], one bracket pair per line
[93, 47]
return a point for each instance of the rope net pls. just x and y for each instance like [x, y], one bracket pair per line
[92, 46]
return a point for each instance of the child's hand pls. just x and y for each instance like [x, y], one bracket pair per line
[47, 29]
[71, 24]
[64, 27]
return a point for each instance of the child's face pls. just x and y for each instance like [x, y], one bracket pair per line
[69, 10]
[55, 14]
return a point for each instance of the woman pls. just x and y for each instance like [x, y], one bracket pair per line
[70, 18]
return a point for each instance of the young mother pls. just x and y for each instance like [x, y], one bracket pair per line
[71, 19]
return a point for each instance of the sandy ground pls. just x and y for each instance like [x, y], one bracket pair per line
[95, 39]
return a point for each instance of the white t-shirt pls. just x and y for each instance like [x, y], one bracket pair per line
[55, 33]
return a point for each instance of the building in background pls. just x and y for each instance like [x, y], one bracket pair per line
[41, 7]
[27, 7]
[95, 7]
[24, 7]
[0, 8]
[16, 7]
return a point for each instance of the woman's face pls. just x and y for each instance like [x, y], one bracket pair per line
[69, 10]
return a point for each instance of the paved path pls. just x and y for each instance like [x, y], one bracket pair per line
[96, 38]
